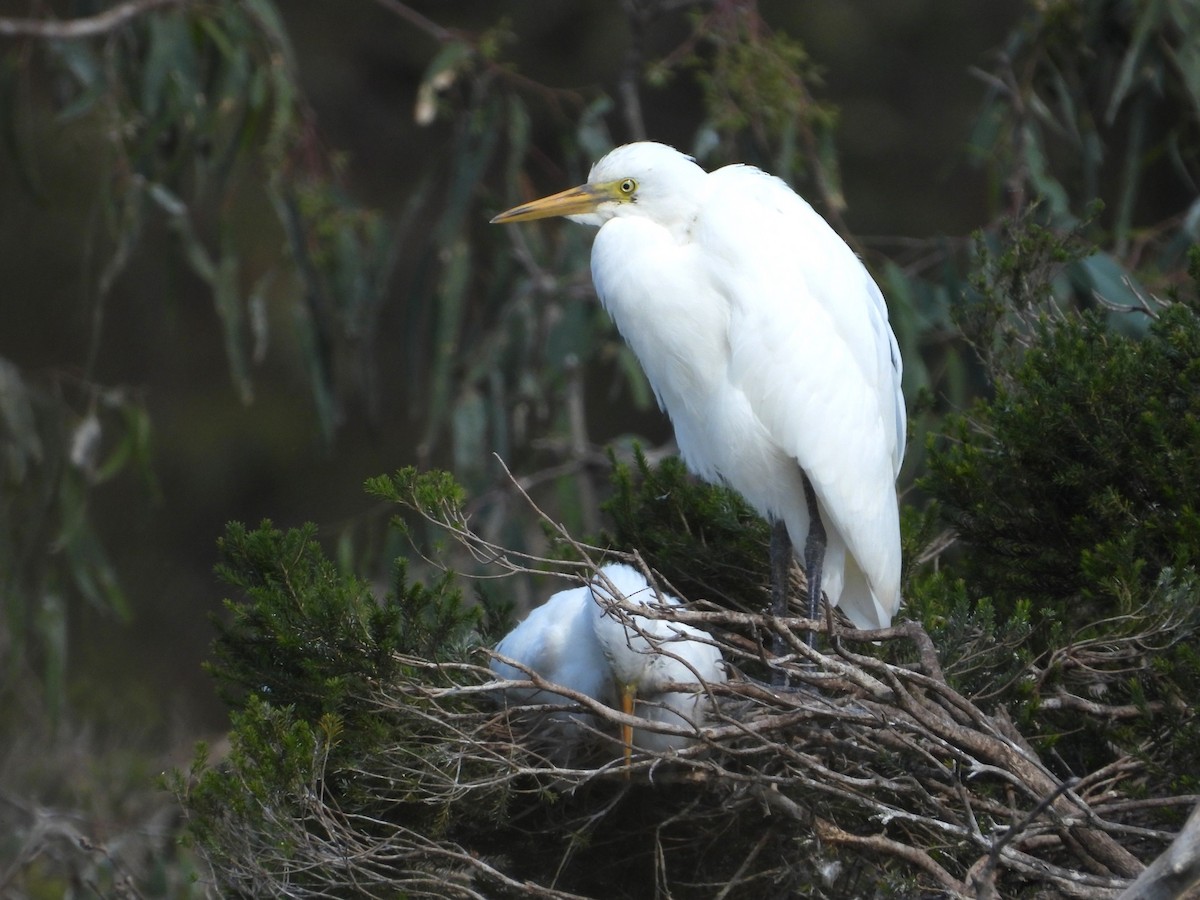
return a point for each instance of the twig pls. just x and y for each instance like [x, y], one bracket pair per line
[414, 18]
[984, 879]
[1175, 871]
[86, 27]
[877, 843]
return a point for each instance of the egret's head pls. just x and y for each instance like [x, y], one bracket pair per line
[645, 178]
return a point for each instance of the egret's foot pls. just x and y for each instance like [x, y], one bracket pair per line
[814, 555]
[781, 560]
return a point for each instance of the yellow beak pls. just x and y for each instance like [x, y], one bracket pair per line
[575, 201]
[628, 699]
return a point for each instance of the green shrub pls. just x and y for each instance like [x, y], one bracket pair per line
[1074, 492]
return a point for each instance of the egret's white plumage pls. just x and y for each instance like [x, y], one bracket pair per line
[558, 642]
[582, 640]
[646, 656]
[768, 344]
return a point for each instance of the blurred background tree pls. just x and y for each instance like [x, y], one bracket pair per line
[246, 265]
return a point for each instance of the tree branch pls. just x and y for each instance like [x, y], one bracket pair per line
[1175, 871]
[879, 844]
[414, 18]
[89, 26]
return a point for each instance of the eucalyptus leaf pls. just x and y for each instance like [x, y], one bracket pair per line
[440, 74]
[18, 428]
[1149, 16]
[1049, 188]
[472, 453]
[1105, 278]
[450, 312]
[50, 624]
[79, 58]
[171, 64]
[228, 301]
[472, 156]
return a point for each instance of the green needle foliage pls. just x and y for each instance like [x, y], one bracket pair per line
[308, 636]
[307, 646]
[1073, 492]
[1082, 472]
[302, 661]
[702, 538]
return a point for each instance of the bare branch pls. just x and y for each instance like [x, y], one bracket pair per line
[1176, 872]
[87, 27]
[414, 18]
[877, 843]
[882, 765]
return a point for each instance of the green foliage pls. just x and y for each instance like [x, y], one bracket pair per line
[434, 490]
[52, 460]
[702, 538]
[344, 255]
[199, 109]
[758, 96]
[1017, 277]
[1083, 472]
[1073, 494]
[983, 653]
[1097, 100]
[187, 102]
[275, 757]
[1144, 659]
[191, 111]
[309, 637]
[304, 660]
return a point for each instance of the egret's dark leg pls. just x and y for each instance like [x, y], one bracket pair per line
[781, 559]
[814, 554]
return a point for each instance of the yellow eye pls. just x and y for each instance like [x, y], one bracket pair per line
[628, 186]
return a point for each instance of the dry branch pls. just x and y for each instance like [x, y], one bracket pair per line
[1176, 872]
[880, 768]
[85, 27]
[885, 763]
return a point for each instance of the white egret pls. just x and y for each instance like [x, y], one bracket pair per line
[578, 639]
[558, 642]
[768, 344]
[648, 655]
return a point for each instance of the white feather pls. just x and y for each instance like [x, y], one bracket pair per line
[579, 640]
[768, 344]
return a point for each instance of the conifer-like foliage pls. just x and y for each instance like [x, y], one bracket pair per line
[679, 522]
[303, 660]
[1082, 473]
[306, 635]
[1073, 492]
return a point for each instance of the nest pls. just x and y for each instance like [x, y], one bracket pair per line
[858, 770]
[860, 777]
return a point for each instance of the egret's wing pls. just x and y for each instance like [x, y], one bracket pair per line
[811, 349]
[761, 212]
[890, 372]
[675, 320]
[557, 642]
